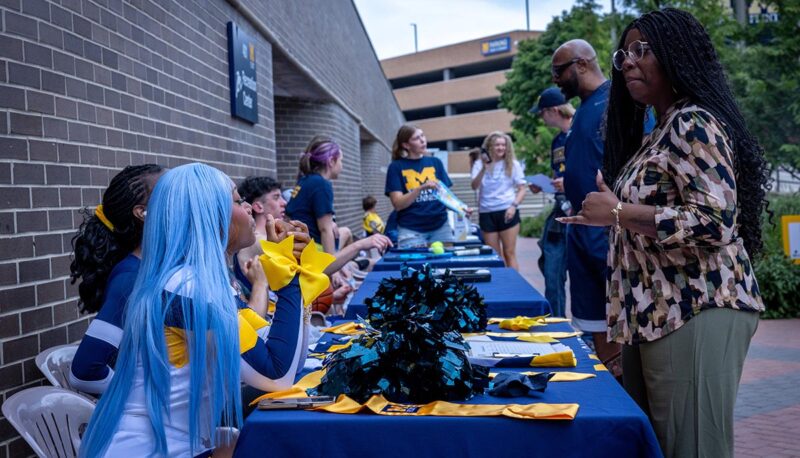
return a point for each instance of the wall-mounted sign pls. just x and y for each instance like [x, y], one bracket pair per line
[495, 46]
[242, 74]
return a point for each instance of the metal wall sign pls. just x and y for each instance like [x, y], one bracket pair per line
[496, 46]
[242, 74]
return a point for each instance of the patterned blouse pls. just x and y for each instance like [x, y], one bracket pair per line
[698, 261]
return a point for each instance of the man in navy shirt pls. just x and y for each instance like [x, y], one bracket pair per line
[576, 72]
[556, 112]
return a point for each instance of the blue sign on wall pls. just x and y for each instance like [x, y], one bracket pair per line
[242, 74]
[496, 46]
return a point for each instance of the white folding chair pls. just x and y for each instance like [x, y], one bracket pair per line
[55, 363]
[50, 419]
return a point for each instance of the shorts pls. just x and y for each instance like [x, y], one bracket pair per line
[495, 221]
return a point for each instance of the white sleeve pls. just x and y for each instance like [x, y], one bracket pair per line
[476, 169]
[517, 175]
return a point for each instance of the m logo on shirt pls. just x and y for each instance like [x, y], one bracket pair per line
[415, 179]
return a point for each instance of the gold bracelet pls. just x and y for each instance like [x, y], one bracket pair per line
[615, 211]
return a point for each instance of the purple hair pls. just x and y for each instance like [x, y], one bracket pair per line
[319, 153]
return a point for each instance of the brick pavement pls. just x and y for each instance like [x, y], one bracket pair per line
[767, 412]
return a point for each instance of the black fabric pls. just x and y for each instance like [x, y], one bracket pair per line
[495, 221]
[514, 384]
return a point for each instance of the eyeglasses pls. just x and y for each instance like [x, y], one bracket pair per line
[557, 70]
[636, 51]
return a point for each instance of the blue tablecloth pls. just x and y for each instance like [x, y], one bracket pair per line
[486, 260]
[608, 424]
[506, 296]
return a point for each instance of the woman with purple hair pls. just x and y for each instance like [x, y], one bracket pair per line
[312, 197]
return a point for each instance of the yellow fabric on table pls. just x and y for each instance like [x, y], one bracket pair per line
[334, 348]
[521, 323]
[557, 376]
[560, 359]
[280, 267]
[379, 405]
[594, 357]
[298, 390]
[523, 335]
[349, 329]
[600, 367]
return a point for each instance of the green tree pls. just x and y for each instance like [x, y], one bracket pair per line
[530, 75]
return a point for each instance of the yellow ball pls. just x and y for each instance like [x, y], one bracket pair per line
[437, 248]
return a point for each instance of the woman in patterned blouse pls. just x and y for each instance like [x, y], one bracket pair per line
[685, 209]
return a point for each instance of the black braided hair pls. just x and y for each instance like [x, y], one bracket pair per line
[252, 188]
[97, 249]
[687, 55]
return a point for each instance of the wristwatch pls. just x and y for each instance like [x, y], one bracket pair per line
[514, 204]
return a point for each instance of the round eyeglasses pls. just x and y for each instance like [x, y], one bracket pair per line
[636, 51]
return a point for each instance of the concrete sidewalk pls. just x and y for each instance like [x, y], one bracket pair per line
[767, 415]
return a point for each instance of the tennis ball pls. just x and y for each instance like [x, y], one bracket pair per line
[437, 248]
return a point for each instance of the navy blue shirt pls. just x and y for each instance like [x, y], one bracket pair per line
[558, 155]
[584, 147]
[426, 213]
[312, 198]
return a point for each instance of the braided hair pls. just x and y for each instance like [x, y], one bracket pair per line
[96, 248]
[685, 52]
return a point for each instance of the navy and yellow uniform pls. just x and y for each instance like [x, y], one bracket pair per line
[269, 364]
[92, 365]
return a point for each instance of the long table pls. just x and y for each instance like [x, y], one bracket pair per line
[507, 295]
[608, 424]
[393, 263]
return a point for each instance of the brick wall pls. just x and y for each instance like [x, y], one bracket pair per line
[296, 122]
[332, 44]
[87, 88]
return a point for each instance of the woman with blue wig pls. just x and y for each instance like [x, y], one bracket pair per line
[189, 340]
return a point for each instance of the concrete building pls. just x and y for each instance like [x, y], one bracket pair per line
[90, 86]
[451, 92]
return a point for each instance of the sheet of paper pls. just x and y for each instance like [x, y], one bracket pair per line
[481, 348]
[541, 181]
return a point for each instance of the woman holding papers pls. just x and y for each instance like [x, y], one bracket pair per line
[498, 178]
[412, 182]
[685, 206]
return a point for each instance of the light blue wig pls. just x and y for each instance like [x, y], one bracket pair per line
[188, 217]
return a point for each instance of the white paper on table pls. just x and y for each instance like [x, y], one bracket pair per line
[487, 352]
[312, 364]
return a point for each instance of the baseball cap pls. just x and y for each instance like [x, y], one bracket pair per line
[550, 97]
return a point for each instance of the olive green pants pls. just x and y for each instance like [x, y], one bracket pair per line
[686, 382]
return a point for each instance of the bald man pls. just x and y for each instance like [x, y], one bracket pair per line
[576, 72]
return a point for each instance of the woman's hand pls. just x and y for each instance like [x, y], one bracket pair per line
[254, 272]
[277, 230]
[510, 212]
[428, 184]
[596, 208]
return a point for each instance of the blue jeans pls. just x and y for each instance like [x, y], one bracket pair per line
[407, 238]
[553, 264]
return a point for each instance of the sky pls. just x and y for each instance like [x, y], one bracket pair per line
[444, 22]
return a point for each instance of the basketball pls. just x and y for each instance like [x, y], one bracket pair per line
[323, 302]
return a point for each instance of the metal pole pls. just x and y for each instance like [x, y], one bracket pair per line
[527, 16]
[416, 49]
[613, 24]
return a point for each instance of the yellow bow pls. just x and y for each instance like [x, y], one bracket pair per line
[98, 212]
[281, 266]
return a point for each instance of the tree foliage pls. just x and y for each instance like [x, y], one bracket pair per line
[530, 75]
[761, 61]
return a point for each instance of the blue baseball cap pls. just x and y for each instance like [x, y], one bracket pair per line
[550, 97]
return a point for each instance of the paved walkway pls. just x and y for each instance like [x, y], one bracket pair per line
[767, 415]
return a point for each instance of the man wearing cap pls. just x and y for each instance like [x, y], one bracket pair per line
[555, 112]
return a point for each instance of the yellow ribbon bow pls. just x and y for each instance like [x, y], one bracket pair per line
[280, 267]
[98, 212]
